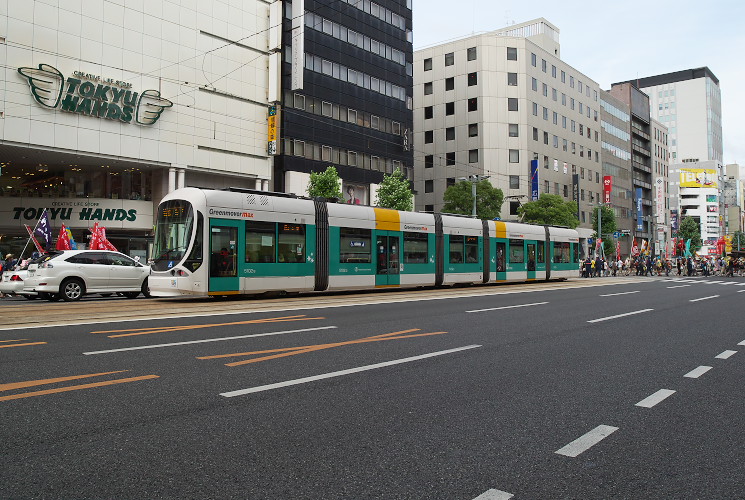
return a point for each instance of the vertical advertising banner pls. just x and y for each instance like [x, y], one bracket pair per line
[639, 216]
[674, 220]
[533, 180]
[575, 191]
[298, 43]
[659, 186]
[607, 187]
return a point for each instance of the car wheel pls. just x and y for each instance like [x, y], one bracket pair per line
[72, 289]
[146, 289]
[131, 295]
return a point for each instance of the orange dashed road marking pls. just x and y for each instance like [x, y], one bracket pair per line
[163, 329]
[76, 387]
[22, 345]
[292, 351]
[44, 381]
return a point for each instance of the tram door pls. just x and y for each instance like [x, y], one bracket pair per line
[387, 251]
[531, 259]
[224, 247]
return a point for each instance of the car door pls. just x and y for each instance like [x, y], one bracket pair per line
[92, 267]
[124, 272]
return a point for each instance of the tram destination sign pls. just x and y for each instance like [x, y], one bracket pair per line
[93, 95]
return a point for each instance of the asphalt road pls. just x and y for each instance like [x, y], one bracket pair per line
[541, 392]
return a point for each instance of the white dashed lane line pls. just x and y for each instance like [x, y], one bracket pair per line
[704, 298]
[507, 307]
[619, 315]
[725, 354]
[655, 398]
[621, 293]
[678, 286]
[696, 373]
[583, 443]
[494, 495]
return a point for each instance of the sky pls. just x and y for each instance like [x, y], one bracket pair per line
[617, 41]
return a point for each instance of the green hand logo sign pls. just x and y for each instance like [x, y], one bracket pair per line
[46, 84]
[150, 106]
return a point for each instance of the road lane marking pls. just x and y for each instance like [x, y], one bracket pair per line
[21, 345]
[704, 298]
[583, 443]
[655, 398]
[619, 315]
[679, 286]
[163, 329]
[621, 293]
[725, 354]
[16, 340]
[31, 383]
[340, 373]
[293, 351]
[494, 495]
[507, 307]
[173, 344]
[696, 373]
[77, 387]
[740, 291]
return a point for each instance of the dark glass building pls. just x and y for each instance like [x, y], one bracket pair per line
[347, 101]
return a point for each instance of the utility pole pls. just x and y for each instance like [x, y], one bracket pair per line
[474, 179]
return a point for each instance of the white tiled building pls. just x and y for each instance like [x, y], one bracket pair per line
[204, 64]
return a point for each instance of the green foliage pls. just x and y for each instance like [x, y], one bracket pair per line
[325, 184]
[459, 199]
[738, 238]
[689, 230]
[395, 192]
[550, 209]
[608, 227]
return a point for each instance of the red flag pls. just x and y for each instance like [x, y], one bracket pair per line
[95, 238]
[618, 250]
[634, 248]
[63, 241]
[104, 243]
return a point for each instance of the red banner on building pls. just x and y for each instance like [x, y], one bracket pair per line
[607, 186]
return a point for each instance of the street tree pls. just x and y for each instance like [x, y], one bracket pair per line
[459, 199]
[690, 230]
[395, 192]
[550, 209]
[608, 227]
[738, 241]
[326, 184]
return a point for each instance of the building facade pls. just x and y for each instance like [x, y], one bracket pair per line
[661, 182]
[347, 94]
[696, 186]
[107, 107]
[504, 105]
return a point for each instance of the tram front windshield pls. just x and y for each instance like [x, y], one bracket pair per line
[173, 232]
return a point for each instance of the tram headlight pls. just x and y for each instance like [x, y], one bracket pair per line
[178, 272]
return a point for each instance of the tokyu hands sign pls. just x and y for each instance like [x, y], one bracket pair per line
[93, 95]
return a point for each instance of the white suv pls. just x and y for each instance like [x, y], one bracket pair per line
[74, 273]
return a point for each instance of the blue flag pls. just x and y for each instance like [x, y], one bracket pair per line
[44, 229]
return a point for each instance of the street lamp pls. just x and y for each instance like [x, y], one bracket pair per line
[473, 179]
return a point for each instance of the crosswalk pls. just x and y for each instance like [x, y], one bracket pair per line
[706, 281]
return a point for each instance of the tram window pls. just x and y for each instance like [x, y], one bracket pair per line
[472, 249]
[575, 252]
[500, 257]
[456, 249]
[194, 260]
[260, 242]
[561, 252]
[416, 250]
[355, 245]
[541, 252]
[517, 252]
[291, 243]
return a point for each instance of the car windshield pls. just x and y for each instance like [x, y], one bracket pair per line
[173, 231]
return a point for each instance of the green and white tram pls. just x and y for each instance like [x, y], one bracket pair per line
[230, 242]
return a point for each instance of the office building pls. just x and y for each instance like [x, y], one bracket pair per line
[696, 186]
[660, 178]
[505, 105]
[347, 94]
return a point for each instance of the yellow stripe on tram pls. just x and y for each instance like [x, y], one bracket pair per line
[387, 220]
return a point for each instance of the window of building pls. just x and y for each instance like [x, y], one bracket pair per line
[375, 122]
[449, 83]
[326, 153]
[473, 79]
[428, 64]
[514, 182]
[535, 109]
[546, 187]
[428, 112]
[535, 134]
[571, 81]
[450, 134]
[450, 158]
[429, 208]
[471, 54]
[429, 186]
[555, 118]
[429, 161]
[545, 138]
[512, 53]
[554, 94]
[449, 181]
[545, 90]
[512, 104]
[473, 129]
[299, 101]
[553, 71]
[428, 88]
[473, 156]
[352, 158]
[545, 113]
[449, 108]
[563, 77]
[514, 130]
[543, 65]
[556, 142]
[564, 145]
[512, 79]
[473, 104]
[566, 191]
[534, 84]
[545, 161]
[449, 59]
[533, 59]
[514, 156]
